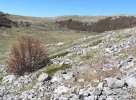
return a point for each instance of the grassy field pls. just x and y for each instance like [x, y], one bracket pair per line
[8, 36]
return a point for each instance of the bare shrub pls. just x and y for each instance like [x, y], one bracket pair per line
[27, 55]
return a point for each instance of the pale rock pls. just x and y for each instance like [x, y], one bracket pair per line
[63, 98]
[89, 98]
[110, 98]
[43, 77]
[68, 76]
[114, 83]
[61, 89]
[81, 80]
[81, 91]
[108, 50]
[9, 79]
[119, 83]
[100, 85]
[56, 79]
[131, 81]
[60, 44]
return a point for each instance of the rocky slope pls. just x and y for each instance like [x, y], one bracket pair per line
[100, 67]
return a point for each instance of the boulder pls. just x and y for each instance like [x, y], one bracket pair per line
[60, 44]
[114, 83]
[119, 84]
[68, 76]
[56, 79]
[43, 77]
[131, 81]
[61, 89]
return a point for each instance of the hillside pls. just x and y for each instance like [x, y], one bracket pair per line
[102, 25]
[85, 65]
[5, 22]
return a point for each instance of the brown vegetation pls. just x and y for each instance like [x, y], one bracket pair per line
[27, 55]
[107, 24]
[5, 22]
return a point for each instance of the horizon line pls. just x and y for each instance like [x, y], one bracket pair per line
[67, 15]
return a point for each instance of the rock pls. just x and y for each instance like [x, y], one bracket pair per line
[100, 85]
[108, 50]
[73, 97]
[68, 76]
[81, 80]
[110, 98]
[18, 84]
[15, 98]
[81, 91]
[60, 44]
[114, 83]
[65, 61]
[97, 92]
[61, 89]
[43, 77]
[63, 98]
[9, 79]
[107, 91]
[90, 98]
[127, 63]
[56, 79]
[1, 93]
[119, 83]
[25, 79]
[109, 82]
[86, 93]
[131, 81]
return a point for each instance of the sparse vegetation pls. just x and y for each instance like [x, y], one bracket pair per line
[52, 69]
[27, 55]
[96, 42]
[91, 61]
[59, 54]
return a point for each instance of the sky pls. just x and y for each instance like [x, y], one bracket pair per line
[51, 8]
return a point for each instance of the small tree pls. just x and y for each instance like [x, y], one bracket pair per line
[27, 55]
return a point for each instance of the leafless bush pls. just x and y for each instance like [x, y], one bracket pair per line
[27, 55]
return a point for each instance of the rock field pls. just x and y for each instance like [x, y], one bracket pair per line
[100, 67]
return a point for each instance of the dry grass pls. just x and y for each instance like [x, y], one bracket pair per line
[7, 36]
[90, 77]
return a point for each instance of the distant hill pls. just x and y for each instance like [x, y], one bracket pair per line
[102, 25]
[78, 23]
[5, 22]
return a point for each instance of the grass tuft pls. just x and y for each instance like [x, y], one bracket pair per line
[59, 55]
[54, 68]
